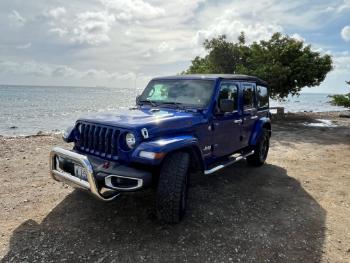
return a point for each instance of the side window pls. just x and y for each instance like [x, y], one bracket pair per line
[229, 91]
[263, 97]
[248, 96]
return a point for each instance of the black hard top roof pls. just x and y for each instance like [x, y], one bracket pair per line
[217, 76]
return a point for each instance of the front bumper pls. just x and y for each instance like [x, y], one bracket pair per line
[100, 181]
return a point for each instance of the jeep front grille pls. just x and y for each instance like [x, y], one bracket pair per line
[98, 140]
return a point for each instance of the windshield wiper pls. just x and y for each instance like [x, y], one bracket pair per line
[150, 102]
[178, 104]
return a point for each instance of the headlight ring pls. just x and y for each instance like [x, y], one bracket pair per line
[130, 140]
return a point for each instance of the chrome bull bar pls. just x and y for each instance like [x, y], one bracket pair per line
[82, 160]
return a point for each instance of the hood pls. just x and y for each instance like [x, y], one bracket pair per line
[155, 120]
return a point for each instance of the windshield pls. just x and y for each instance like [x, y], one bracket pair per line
[184, 92]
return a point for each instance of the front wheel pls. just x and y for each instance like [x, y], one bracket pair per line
[261, 150]
[173, 187]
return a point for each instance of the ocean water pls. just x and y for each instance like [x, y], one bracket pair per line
[316, 102]
[26, 110]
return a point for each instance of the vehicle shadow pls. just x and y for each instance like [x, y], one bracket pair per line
[240, 214]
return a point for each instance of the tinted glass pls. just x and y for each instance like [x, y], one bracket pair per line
[186, 92]
[263, 97]
[248, 96]
[229, 91]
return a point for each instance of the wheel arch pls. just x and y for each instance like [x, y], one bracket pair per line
[196, 158]
[267, 126]
[260, 125]
[170, 145]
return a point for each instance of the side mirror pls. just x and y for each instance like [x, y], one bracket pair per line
[137, 99]
[226, 105]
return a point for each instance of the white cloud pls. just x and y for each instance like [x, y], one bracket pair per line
[335, 81]
[127, 10]
[345, 33]
[342, 63]
[154, 12]
[97, 40]
[16, 19]
[344, 6]
[298, 37]
[164, 47]
[59, 31]
[63, 71]
[54, 74]
[231, 25]
[57, 13]
[26, 68]
[59, 71]
[179, 11]
[24, 46]
[90, 28]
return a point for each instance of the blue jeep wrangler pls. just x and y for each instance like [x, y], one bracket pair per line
[180, 125]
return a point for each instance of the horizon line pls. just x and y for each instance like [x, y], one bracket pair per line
[103, 86]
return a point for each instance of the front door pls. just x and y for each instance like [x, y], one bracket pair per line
[227, 126]
[249, 112]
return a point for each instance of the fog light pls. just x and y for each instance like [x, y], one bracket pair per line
[151, 155]
[58, 163]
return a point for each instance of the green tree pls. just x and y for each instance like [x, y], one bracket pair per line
[223, 57]
[284, 62]
[341, 100]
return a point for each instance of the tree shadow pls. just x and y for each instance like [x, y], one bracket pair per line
[240, 214]
[289, 131]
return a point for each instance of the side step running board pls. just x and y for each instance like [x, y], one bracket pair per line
[229, 162]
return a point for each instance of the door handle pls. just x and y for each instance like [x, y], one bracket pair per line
[254, 117]
[238, 121]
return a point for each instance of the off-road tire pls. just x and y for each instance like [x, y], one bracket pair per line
[261, 150]
[173, 187]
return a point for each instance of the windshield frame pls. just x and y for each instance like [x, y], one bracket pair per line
[142, 99]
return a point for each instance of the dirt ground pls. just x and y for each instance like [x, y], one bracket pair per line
[296, 208]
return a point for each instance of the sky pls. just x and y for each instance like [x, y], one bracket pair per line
[124, 43]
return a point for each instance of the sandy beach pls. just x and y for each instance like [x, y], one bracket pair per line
[296, 208]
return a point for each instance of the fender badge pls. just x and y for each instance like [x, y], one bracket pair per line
[207, 148]
[144, 133]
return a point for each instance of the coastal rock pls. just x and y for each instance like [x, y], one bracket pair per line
[344, 115]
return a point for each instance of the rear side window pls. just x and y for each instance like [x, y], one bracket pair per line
[263, 97]
[248, 96]
[229, 91]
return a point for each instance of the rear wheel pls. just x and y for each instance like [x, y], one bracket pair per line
[261, 150]
[173, 187]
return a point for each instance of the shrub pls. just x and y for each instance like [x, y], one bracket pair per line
[341, 100]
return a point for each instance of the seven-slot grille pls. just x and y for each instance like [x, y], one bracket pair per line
[98, 140]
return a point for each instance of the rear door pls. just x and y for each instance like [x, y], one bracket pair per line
[262, 97]
[249, 109]
[227, 127]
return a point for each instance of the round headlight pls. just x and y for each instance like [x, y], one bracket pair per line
[130, 140]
